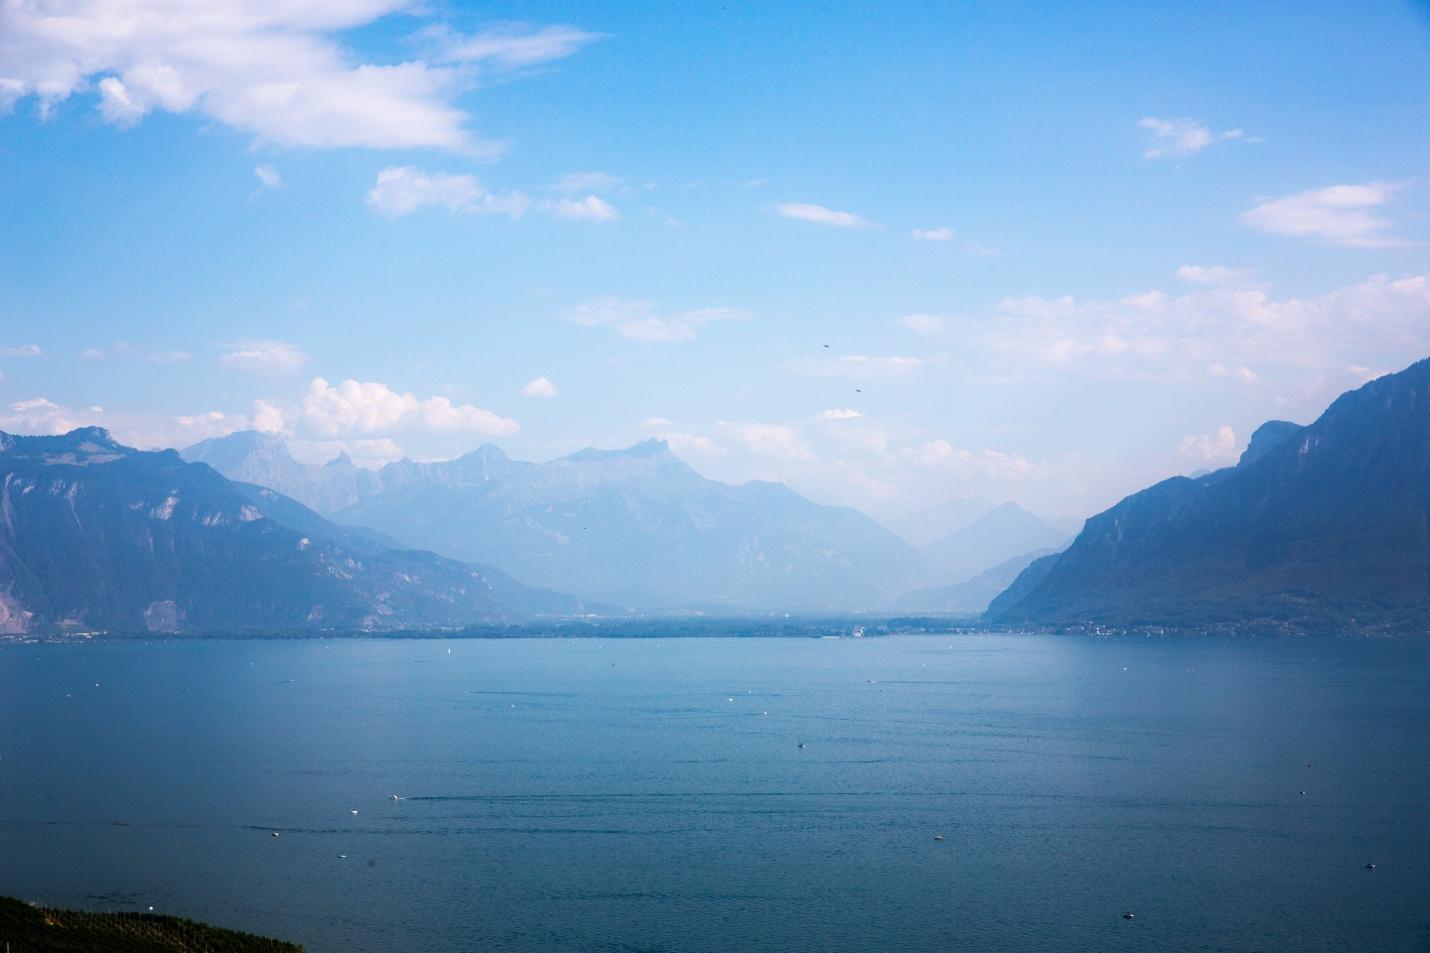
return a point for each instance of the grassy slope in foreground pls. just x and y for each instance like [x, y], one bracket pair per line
[30, 929]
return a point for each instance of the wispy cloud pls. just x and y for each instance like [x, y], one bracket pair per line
[923, 323]
[402, 190]
[1218, 276]
[263, 357]
[590, 209]
[640, 321]
[268, 177]
[1338, 215]
[574, 182]
[1183, 137]
[511, 46]
[940, 234]
[21, 350]
[857, 366]
[819, 215]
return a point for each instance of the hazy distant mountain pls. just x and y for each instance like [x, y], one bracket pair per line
[98, 536]
[1318, 528]
[994, 538]
[263, 458]
[972, 596]
[927, 524]
[638, 527]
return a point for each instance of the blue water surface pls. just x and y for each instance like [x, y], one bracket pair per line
[731, 794]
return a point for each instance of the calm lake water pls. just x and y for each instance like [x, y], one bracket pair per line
[643, 795]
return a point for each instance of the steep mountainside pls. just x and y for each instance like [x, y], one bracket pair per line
[997, 536]
[1318, 528]
[98, 536]
[640, 528]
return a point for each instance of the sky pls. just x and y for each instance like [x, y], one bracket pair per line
[894, 255]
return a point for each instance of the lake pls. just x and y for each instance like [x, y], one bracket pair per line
[653, 795]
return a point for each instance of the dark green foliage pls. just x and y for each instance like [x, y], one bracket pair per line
[30, 929]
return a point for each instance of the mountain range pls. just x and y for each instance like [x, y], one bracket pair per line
[97, 536]
[1321, 528]
[635, 527]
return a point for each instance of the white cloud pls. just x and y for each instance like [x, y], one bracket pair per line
[837, 414]
[1216, 447]
[940, 234]
[354, 408]
[857, 366]
[123, 350]
[402, 190]
[768, 440]
[585, 182]
[273, 69]
[1217, 275]
[686, 443]
[1380, 322]
[264, 357]
[638, 320]
[923, 323]
[983, 464]
[589, 209]
[1338, 215]
[653, 423]
[268, 177]
[38, 415]
[22, 350]
[820, 215]
[512, 46]
[540, 387]
[1182, 137]
[1240, 372]
[268, 418]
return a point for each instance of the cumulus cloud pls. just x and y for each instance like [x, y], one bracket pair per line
[353, 408]
[1337, 215]
[21, 350]
[268, 177]
[1219, 446]
[639, 320]
[922, 323]
[819, 215]
[272, 69]
[263, 357]
[940, 234]
[402, 190]
[857, 366]
[38, 415]
[838, 414]
[1182, 137]
[540, 387]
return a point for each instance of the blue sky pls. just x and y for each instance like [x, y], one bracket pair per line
[891, 256]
